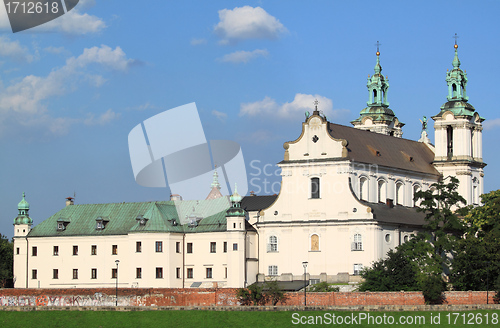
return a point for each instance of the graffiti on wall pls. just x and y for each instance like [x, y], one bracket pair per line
[98, 299]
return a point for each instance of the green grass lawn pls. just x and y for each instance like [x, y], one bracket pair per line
[193, 318]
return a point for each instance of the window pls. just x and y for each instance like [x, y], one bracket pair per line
[55, 273]
[34, 274]
[56, 251]
[159, 273]
[315, 188]
[213, 247]
[315, 243]
[225, 272]
[388, 238]
[75, 251]
[17, 250]
[357, 244]
[114, 273]
[93, 274]
[273, 270]
[178, 247]
[99, 225]
[209, 273]
[272, 246]
[34, 251]
[189, 247]
[416, 202]
[399, 194]
[382, 188]
[357, 269]
[190, 273]
[449, 143]
[363, 188]
[235, 247]
[114, 250]
[75, 273]
[178, 273]
[138, 273]
[159, 246]
[405, 238]
[138, 247]
[225, 247]
[60, 226]
[93, 250]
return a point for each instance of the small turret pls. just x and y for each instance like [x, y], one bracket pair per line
[22, 222]
[235, 215]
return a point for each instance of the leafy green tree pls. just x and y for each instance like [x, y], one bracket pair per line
[274, 293]
[476, 263]
[253, 295]
[323, 287]
[441, 204]
[6, 261]
[395, 273]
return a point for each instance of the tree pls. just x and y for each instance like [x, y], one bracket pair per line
[394, 273]
[434, 248]
[477, 261]
[6, 261]
[253, 295]
[260, 295]
[274, 292]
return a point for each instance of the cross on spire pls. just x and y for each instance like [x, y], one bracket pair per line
[316, 102]
[378, 44]
[456, 37]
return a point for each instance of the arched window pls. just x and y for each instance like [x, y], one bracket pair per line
[449, 142]
[314, 243]
[454, 89]
[357, 244]
[399, 193]
[416, 188]
[382, 191]
[272, 246]
[315, 188]
[374, 95]
[363, 188]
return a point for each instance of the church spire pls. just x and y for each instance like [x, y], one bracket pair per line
[456, 79]
[378, 117]
[215, 181]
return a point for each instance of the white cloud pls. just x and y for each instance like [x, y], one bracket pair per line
[55, 50]
[296, 108]
[247, 23]
[244, 56]
[73, 22]
[197, 42]
[103, 119]
[14, 50]
[25, 102]
[492, 124]
[220, 115]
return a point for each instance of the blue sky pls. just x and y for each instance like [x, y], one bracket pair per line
[72, 89]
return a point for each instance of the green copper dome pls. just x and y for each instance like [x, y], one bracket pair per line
[235, 209]
[23, 204]
[23, 209]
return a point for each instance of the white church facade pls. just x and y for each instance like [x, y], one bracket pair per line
[346, 199]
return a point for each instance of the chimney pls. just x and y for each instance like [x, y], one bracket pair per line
[389, 202]
[70, 201]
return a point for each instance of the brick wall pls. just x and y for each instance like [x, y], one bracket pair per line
[214, 297]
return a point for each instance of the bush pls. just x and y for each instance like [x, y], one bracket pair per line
[252, 295]
[433, 287]
[323, 287]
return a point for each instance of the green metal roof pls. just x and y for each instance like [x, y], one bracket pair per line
[122, 218]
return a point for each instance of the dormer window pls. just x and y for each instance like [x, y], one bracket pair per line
[141, 220]
[61, 224]
[100, 223]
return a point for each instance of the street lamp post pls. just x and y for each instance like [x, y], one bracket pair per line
[304, 264]
[116, 288]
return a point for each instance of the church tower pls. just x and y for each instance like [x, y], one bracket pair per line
[378, 117]
[458, 137]
[22, 226]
